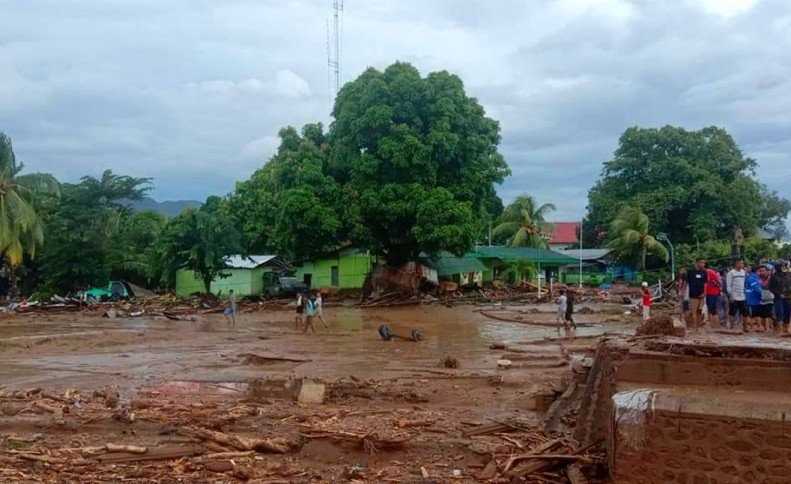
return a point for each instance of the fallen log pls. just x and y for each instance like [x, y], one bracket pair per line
[276, 445]
[255, 359]
[370, 442]
[131, 449]
[545, 447]
[160, 453]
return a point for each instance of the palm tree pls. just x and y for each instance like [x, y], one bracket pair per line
[21, 230]
[631, 240]
[523, 223]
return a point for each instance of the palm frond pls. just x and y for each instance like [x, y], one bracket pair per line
[505, 229]
[520, 238]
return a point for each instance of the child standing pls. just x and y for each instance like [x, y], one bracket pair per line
[562, 302]
[648, 300]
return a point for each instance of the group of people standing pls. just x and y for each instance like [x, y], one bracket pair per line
[309, 307]
[754, 298]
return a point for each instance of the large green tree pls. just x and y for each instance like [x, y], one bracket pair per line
[418, 161]
[693, 185]
[21, 230]
[82, 230]
[630, 238]
[198, 240]
[291, 206]
[523, 223]
[133, 247]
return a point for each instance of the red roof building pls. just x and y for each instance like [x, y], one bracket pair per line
[564, 234]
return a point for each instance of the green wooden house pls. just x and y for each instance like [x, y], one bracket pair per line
[247, 276]
[467, 269]
[498, 259]
[344, 269]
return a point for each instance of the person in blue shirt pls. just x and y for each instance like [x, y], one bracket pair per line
[752, 293]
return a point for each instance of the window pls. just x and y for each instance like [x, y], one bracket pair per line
[334, 276]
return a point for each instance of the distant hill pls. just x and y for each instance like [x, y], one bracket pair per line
[169, 208]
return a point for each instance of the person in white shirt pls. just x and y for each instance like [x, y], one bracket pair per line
[735, 287]
[320, 310]
[562, 302]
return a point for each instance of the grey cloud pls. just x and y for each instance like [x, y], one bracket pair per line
[194, 92]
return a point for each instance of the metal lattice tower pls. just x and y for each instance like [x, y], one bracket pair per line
[335, 47]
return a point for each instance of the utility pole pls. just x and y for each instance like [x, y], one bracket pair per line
[582, 220]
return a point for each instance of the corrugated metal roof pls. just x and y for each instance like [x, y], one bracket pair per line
[248, 262]
[449, 265]
[586, 254]
[511, 254]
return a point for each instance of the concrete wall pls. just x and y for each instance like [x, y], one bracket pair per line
[244, 282]
[678, 411]
[352, 271]
[706, 449]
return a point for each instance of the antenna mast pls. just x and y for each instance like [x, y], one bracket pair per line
[334, 48]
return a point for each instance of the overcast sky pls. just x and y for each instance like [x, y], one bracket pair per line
[193, 92]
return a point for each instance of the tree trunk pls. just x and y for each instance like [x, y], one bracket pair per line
[13, 286]
[207, 284]
[642, 259]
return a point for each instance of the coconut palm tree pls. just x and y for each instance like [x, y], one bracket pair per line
[21, 230]
[522, 223]
[631, 240]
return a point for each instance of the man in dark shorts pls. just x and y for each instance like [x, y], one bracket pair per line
[570, 312]
[696, 282]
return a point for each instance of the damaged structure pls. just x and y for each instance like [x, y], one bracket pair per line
[681, 410]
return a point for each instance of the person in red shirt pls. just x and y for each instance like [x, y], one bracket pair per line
[647, 302]
[713, 295]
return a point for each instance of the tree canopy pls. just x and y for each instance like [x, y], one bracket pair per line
[290, 206]
[198, 240]
[408, 166]
[692, 185]
[83, 229]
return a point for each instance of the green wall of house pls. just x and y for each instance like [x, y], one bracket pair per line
[352, 269]
[244, 282]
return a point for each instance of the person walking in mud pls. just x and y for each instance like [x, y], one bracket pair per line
[320, 309]
[230, 311]
[298, 320]
[311, 310]
[570, 325]
[562, 303]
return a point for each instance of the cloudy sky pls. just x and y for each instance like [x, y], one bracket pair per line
[193, 92]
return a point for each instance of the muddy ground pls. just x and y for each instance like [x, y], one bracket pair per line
[213, 396]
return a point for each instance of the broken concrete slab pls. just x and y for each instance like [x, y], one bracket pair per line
[311, 392]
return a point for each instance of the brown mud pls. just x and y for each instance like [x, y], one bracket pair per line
[186, 402]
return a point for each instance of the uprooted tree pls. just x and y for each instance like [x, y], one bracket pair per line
[408, 166]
